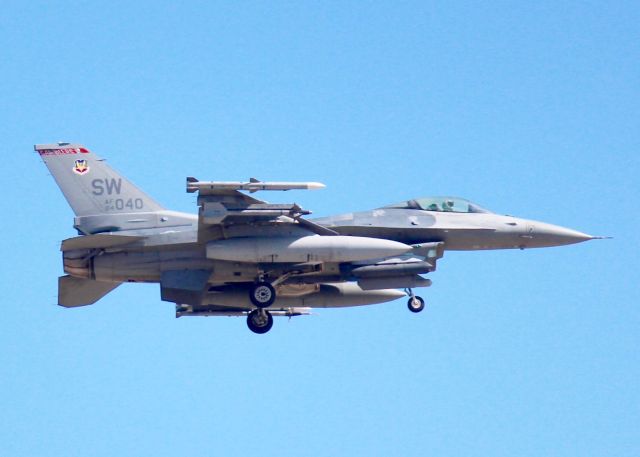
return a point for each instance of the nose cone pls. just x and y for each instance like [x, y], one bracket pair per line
[545, 235]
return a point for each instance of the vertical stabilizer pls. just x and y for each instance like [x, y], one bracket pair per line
[90, 185]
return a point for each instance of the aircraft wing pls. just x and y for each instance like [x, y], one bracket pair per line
[222, 204]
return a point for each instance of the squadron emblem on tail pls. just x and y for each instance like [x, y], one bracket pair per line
[81, 167]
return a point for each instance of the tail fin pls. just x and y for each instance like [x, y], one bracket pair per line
[90, 185]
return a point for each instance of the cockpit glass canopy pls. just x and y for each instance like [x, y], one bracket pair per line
[441, 204]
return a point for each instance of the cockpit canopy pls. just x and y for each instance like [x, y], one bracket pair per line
[441, 204]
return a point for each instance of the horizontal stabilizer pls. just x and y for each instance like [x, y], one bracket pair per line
[74, 292]
[100, 241]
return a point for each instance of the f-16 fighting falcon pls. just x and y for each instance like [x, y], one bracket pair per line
[241, 256]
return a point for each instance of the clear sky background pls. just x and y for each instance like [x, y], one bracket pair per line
[528, 108]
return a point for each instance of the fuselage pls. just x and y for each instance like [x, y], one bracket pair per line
[458, 231]
[179, 247]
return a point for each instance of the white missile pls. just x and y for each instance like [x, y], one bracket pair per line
[312, 248]
[252, 185]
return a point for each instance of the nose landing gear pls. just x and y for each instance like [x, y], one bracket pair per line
[415, 303]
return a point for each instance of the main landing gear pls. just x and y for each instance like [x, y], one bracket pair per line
[415, 303]
[262, 294]
[260, 321]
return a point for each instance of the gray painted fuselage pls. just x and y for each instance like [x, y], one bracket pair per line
[458, 231]
[178, 248]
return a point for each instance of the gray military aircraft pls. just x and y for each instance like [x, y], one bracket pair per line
[241, 256]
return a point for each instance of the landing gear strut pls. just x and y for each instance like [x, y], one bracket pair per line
[415, 303]
[262, 294]
[260, 321]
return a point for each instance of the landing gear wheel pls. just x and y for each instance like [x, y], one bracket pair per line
[415, 304]
[259, 321]
[262, 294]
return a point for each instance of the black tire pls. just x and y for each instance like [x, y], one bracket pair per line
[254, 321]
[415, 307]
[262, 294]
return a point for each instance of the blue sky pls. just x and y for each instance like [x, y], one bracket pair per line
[528, 109]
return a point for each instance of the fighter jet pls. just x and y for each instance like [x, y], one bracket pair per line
[241, 256]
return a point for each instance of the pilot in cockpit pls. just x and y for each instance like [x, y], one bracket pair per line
[447, 205]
